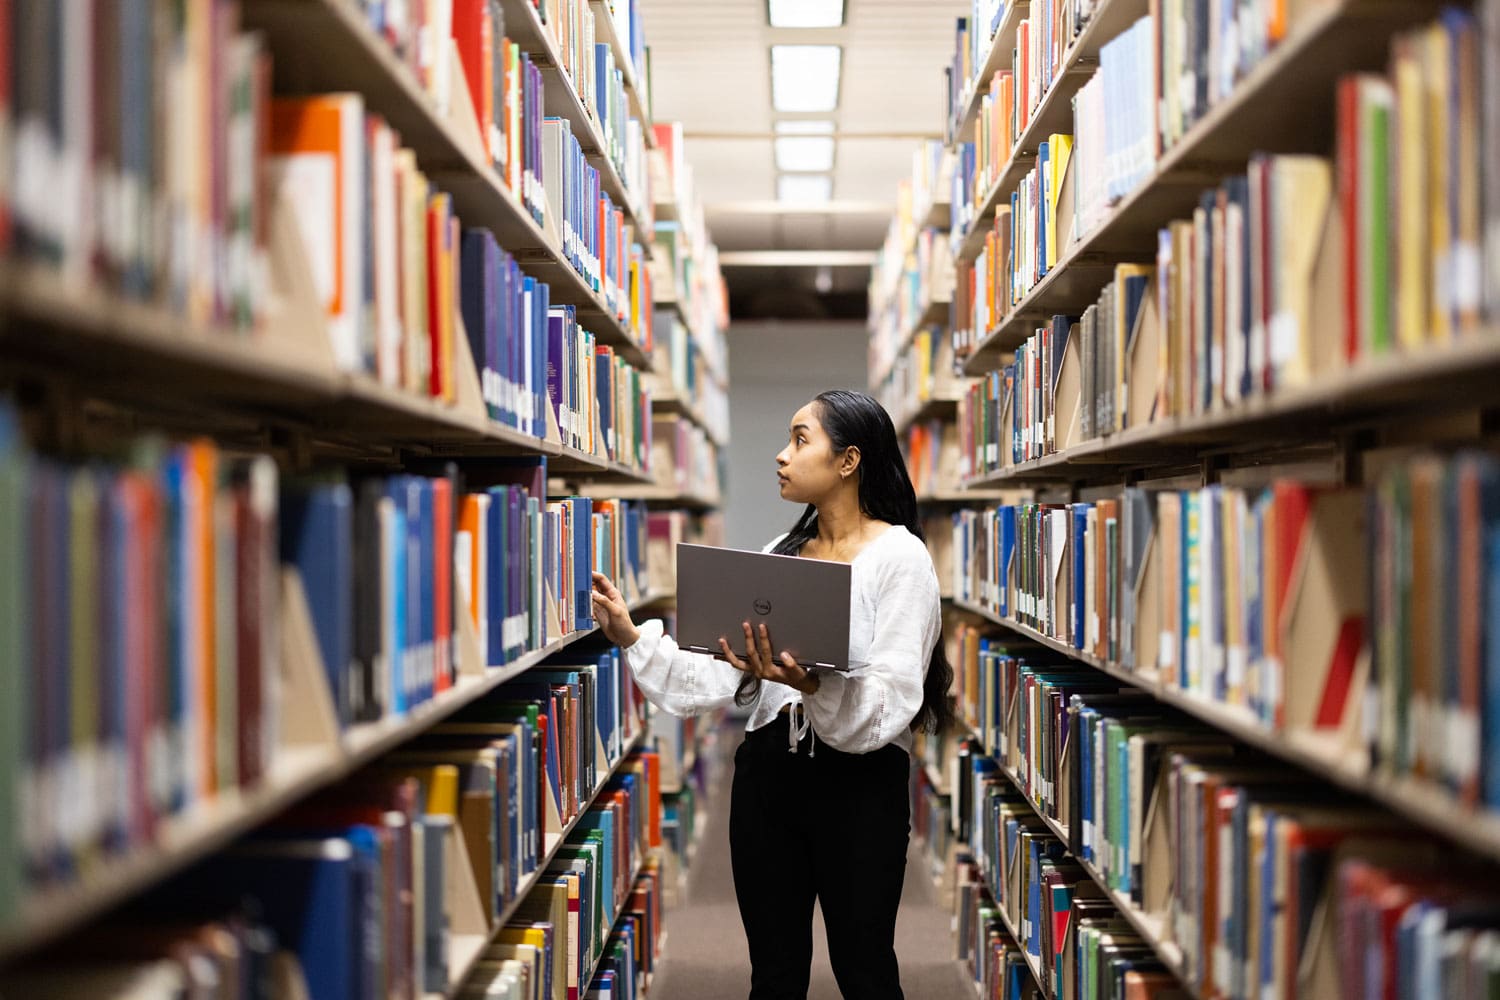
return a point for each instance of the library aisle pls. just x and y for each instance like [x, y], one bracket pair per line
[342, 342]
[706, 959]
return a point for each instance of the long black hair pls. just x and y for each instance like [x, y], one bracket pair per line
[855, 419]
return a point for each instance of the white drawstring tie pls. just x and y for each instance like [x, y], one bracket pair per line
[796, 730]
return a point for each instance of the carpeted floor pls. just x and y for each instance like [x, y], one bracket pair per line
[706, 958]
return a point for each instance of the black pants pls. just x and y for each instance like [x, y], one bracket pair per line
[831, 827]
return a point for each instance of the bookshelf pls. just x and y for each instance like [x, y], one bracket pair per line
[465, 950]
[524, 25]
[1474, 830]
[1343, 431]
[607, 31]
[1265, 111]
[91, 373]
[296, 775]
[995, 54]
[326, 45]
[1369, 391]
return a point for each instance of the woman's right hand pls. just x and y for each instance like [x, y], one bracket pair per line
[612, 614]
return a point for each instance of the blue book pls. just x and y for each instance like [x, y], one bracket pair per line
[178, 559]
[418, 572]
[604, 373]
[583, 562]
[18, 694]
[536, 362]
[476, 291]
[427, 550]
[314, 894]
[1270, 908]
[317, 538]
[1007, 518]
[515, 553]
[499, 576]
[603, 821]
[1080, 524]
[398, 632]
[369, 901]
[1086, 720]
[1044, 172]
[1491, 707]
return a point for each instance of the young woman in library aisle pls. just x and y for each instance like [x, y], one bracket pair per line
[819, 807]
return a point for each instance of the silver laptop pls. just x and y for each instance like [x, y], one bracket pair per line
[803, 602]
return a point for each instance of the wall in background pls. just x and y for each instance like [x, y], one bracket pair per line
[774, 369]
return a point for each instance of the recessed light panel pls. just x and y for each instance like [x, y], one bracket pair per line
[806, 13]
[804, 189]
[804, 153]
[805, 77]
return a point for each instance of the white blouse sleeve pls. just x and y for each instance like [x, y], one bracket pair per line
[867, 708]
[678, 682]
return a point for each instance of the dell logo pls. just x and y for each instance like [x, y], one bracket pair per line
[762, 607]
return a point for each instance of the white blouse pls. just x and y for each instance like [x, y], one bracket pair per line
[895, 618]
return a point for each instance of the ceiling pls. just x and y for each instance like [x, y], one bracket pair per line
[710, 70]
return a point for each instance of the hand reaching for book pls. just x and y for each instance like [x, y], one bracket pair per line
[763, 663]
[612, 614]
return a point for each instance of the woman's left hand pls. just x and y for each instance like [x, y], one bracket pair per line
[762, 663]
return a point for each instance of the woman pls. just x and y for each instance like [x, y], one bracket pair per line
[827, 821]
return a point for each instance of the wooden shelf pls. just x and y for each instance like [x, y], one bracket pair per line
[674, 404]
[523, 25]
[942, 405]
[935, 312]
[152, 358]
[1146, 925]
[1032, 962]
[665, 497]
[675, 304]
[1381, 389]
[147, 355]
[464, 951]
[1268, 110]
[572, 463]
[294, 775]
[1001, 47]
[1421, 803]
[327, 45]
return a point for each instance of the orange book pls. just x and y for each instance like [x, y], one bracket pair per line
[203, 461]
[471, 523]
[317, 162]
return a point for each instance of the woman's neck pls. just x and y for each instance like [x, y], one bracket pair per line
[840, 520]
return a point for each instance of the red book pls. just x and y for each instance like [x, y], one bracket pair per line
[472, 36]
[1348, 195]
[140, 503]
[254, 529]
[1292, 507]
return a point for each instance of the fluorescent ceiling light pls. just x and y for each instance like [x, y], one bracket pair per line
[804, 152]
[805, 77]
[806, 13]
[804, 188]
[804, 126]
